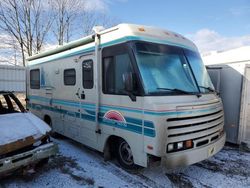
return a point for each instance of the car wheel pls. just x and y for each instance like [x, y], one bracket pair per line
[42, 162]
[124, 155]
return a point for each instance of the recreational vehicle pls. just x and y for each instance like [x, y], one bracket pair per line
[138, 93]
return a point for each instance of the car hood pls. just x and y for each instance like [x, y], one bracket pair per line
[18, 126]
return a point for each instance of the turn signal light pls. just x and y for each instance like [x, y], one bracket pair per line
[188, 144]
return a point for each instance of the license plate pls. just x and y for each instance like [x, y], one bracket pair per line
[211, 151]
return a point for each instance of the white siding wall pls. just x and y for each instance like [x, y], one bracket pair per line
[12, 78]
[235, 66]
[236, 58]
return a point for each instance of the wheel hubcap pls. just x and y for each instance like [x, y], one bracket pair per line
[126, 153]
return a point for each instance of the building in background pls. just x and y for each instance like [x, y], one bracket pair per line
[12, 78]
[230, 74]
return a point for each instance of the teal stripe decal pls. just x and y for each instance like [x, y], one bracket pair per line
[127, 126]
[106, 107]
[133, 125]
[149, 124]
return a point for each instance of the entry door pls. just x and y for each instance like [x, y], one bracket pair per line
[87, 97]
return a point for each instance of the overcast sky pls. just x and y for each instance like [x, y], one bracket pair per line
[211, 24]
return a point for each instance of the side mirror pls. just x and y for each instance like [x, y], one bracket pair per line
[129, 83]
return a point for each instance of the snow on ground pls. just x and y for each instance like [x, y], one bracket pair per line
[78, 166]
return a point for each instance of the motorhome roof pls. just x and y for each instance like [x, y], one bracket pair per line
[154, 33]
[115, 35]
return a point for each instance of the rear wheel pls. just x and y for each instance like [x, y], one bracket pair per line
[124, 155]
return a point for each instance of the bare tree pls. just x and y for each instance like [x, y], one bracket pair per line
[74, 19]
[9, 50]
[89, 19]
[66, 14]
[26, 22]
[31, 22]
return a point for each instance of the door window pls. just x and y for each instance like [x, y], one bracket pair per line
[87, 74]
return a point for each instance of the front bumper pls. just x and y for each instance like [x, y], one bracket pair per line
[24, 159]
[189, 157]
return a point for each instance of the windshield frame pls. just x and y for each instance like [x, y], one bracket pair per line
[162, 92]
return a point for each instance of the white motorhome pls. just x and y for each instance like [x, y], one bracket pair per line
[139, 93]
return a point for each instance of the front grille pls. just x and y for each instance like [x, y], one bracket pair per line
[195, 127]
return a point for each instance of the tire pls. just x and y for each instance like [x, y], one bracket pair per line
[52, 133]
[124, 155]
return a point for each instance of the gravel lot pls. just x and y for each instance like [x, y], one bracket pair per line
[79, 166]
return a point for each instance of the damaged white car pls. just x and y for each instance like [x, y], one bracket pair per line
[24, 138]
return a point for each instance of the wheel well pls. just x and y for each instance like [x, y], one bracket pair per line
[110, 146]
[47, 119]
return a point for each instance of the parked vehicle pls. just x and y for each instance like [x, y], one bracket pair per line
[24, 138]
[135, 92]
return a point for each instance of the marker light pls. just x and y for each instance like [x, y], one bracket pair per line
[150, 147]
[141, 29]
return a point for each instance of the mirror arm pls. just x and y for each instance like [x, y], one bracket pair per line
[132, 97]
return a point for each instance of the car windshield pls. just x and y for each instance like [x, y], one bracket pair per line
[170, 69]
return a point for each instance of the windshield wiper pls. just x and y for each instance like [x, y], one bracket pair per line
[174, 89]
[208, 88]
[180, 91]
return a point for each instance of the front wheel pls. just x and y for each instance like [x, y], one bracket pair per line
[125, 156]
[49, 122]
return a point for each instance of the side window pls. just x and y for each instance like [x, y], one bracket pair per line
[87, 74]
[69, 77]
[35, 79]
[114, 67]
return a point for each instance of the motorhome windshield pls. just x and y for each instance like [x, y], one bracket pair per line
[168, 69]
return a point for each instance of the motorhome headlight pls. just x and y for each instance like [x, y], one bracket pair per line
[170, 147]
[179, 146]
